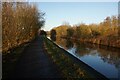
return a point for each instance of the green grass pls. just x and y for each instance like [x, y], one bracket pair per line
[67, 65]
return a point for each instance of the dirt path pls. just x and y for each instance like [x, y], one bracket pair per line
[34, 63]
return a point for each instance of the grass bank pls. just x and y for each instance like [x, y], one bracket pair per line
[69, 65]
[10, 58]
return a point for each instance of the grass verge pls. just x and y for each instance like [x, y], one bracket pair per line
[10, 58]
[69, 66]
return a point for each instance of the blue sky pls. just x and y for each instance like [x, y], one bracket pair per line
[76, 12]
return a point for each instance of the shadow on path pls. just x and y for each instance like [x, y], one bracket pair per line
[34, 63]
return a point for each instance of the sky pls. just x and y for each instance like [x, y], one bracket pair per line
[70, 0]
[56, 13]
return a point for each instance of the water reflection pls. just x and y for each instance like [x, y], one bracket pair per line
[104, 59]
[69, 44]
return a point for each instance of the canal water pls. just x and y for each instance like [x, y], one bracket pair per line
[105, 60]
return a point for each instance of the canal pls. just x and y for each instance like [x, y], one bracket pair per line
[105, 60]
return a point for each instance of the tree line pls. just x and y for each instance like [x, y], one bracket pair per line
[20, 23]
[105, 33]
